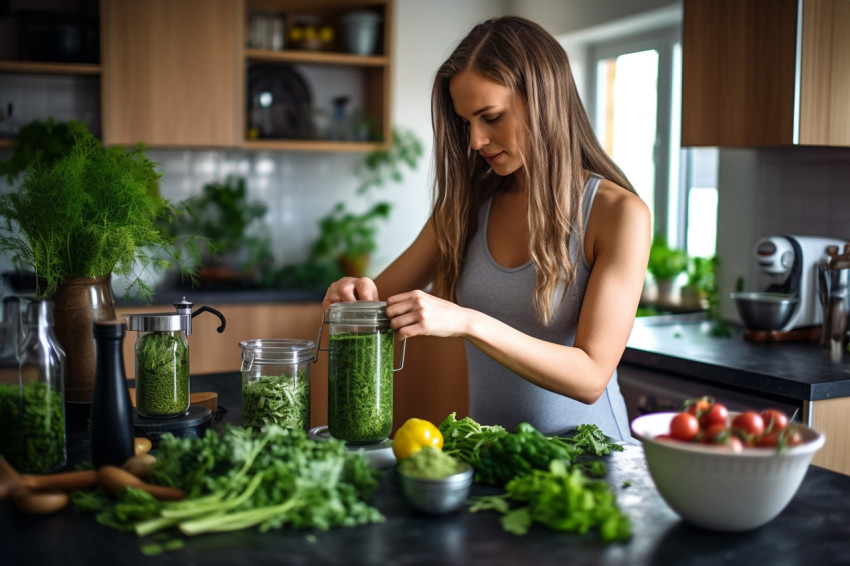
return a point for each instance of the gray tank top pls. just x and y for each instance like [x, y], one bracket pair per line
[498, 395]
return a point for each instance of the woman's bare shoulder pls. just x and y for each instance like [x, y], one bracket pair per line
[617, 216]
[614, 199]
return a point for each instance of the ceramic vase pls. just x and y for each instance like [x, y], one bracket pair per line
[78, 303]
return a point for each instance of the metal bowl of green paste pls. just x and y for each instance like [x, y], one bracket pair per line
[432, 484]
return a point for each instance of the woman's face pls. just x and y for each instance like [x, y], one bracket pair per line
[492, 113]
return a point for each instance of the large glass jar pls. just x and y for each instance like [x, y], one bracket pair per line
[41, 416]
[360, 372]
[276, 383]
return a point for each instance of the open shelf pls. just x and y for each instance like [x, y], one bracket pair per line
[41, 68]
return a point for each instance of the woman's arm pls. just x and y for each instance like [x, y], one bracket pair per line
[617, 246]
[413, 269]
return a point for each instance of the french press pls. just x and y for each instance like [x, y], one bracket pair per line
[162, 358]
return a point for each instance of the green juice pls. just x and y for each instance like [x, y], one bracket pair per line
[360, 386]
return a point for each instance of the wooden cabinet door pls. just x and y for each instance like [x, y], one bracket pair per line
[172, 72]
[825, 73]
[738, 65]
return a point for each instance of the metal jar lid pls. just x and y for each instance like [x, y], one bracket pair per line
[156, 322]
[280, 350]
[359, 312]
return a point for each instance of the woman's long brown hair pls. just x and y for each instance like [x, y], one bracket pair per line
[521, 55]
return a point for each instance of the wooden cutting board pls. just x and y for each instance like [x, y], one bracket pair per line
[208, 399]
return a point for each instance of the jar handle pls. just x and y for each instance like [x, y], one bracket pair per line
[403, 350]
[247, 361]
[319, 339]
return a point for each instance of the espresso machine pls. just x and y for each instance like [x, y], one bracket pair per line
[788, 264]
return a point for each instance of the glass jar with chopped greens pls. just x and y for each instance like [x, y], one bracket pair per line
[276, 383]
[162, 359]
[35, 405]
[360, 372]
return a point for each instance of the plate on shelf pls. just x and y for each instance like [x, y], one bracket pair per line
[279, 103]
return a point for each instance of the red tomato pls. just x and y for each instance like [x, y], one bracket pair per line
[750, 423]
[717, 414]
[699, 406]
[684, 426]
[794, 437]
[774, 419]
[768, 440]
[716, 434]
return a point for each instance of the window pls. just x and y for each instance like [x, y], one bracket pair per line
[635, 103]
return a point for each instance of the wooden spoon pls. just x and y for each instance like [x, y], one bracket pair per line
[114, 480]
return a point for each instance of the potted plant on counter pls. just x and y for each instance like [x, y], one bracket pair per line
[665, 265]
[75, 220]
[347, 238]
[700, 283]
[238, 248]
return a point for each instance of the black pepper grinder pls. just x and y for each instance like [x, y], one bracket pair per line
[112, 441]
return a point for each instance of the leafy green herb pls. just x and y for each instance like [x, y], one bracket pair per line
[87, 211]
[281, 400]
[430, 463]
[32, 427]
[465, 438]
[265, 479]
[162, 373]
[497, 455]
[151, 549]
[589, 439]
[559, 499]
[360, 386]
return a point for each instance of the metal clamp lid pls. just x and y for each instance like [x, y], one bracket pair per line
[352, 306]
[181, 320]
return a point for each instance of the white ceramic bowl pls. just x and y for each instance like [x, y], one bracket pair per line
[716, 488]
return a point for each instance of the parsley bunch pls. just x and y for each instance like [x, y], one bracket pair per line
[242, 479]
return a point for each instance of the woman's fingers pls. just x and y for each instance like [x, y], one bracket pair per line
[420, 314]
[350, 289]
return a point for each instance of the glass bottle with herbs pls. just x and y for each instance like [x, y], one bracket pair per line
[360, 372]
[40, 411]
[276, 383]
[10, 376]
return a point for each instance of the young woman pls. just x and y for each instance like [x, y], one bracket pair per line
[537, 244]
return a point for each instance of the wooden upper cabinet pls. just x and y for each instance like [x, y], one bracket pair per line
[752, 77]
[172, 72]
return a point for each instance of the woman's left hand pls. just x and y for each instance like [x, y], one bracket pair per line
[418, 313]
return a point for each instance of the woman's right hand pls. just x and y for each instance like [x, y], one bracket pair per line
[350, 289]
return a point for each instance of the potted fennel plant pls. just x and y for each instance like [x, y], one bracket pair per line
[78, 217]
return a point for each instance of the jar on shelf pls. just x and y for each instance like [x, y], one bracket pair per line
[40, 416]
[276, 383]
[360, 371]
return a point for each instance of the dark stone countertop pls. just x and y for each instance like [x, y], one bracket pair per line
[795, 370]
[813, 529]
